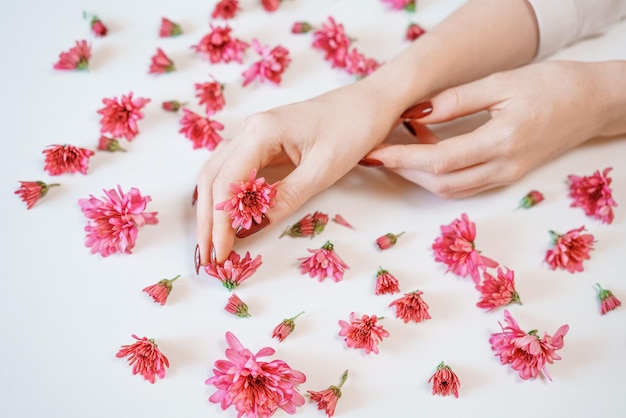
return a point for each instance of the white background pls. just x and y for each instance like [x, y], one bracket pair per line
[65, 312]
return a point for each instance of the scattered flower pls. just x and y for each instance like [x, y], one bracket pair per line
[272, 65]
[270, 5]
[220, 46]
[301, 27]
[324, 263]
[608, 301]
[282, 330]
[388, 240]
[211, 94]
[497, 291]
[255, 388]
[411, 307]
[31, 191]
[526, 352]
[97, 27]
[119, 117]
[62, 159]
[364, 332]
[161, 63]
[359, 65]
[445, 381]
[386, 283]
[327, 399]
[570, 250]
[200, 130]
[234, 270]
[77, 58]
[109, 144]
[593, 194]
[226, 9]
[160, 291]
[169, 28]
[172, 105]
[145, 357]
[309, 226]
[236, 306]
[114, 221]
[332, 39]
[531, 199]
[413, 31]
[408, 5]
[342, 221]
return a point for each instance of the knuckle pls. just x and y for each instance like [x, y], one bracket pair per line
[439, 165]
[258, 123]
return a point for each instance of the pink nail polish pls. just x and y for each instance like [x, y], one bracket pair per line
[213, 256]
[254, 228]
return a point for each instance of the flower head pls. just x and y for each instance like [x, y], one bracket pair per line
[211, 94]
[324, 263]
[327, 399]
[236, 306]
[109, 144]
[270, 5]
[169, 28]
[97, 27]
[497, 291]
[342, 221]
[364, 332]
[225, 9]
[114, 221]
[119, 117]
[388, 240]
[570, 250]
[301, 27]
[593, 194]
[333, 41]
[413, 31]
[31, 191]
[445, 381]
[161, 63]
[386, 282]
[161, 290]
[309, 226]
[286, 327]
[172, 105]
[77, 58]
[145, 357]
[234, 270]
[608, 301]
[271, 66]
[220, 46]
[359, 65]
[62, 159]
[203, 132]
[531, 199]
[255, 388]
[411, 307]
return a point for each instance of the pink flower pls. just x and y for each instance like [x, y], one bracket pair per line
[169, 28]
[411, 307]
[31, 191]
[270, 5]
[593, 194]
[145, 357]
[97, 27]
[363, 332]
[526, 352]
[388, 240]
[234, 270]
[332, 39]
[114, 220]
[301, 27]
[408, 5]
[226, 9]
[119, 117]
[77, 58]
[324, 263]
[172, 105]
[327, 399]
[161, 63]
[413, 31]
[531, 199]
[455, 248]
[250, 201]
[497, 291]
[160, 291]
[272, 65]
[282, 330]
[359, 65]
[236, 306]
[211, 95]
[608, 301]
[570, 250]
[342, 221]
[109, 144]
[309, 226]
[220, 46]
[200, 130]
[62, 159]
[445, 381]
[255, 388]
[386, 283]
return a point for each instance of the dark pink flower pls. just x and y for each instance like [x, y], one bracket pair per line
[608, 301]
[342, 221]
[570, 250]
[497, 291]
[386, 283]
[161, 290]
[388, 240]
[236, 306]
[62, 159]
[114, 221]
[364, 332]
[324, 263]
[225, 9]
[211, 94]
[109, 144]
[332, 39]
[255, 388]
[327, 399]
[271, 66]
[220, 46]
[169, 28]
[445, 381]
[455, 248]
[119, 117]
[77, 58]
[359, 65]
[270, 5]
[172, 105]
[531, 199]
[31, 191]
[234, 270]
[250, 201]
[200, 130]
[161, 63]
[97, 27]
[145, 357]
[413, 31]
[526, 352]
[411, 307]
[301, 27]
[309, 226]
[593, 194]
[286, 327]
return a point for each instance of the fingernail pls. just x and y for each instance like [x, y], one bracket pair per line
[194, 199]
[370, 162]
[418, 111]
[254, 228]
[213, 256]
[196, 259]
[408, 124]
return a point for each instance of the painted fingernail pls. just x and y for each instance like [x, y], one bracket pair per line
[196, 259]
[408, 124]
[370, 162]
[418, 111]
[254, 228]
[213, 256]
[194, 198]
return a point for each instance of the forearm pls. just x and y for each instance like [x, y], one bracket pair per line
[609, 82]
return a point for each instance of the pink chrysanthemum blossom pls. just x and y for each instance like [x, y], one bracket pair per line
[327, 399]
[570, 250]
[270, 5]
[388, 240]
[119, 117]
[97, 26]
[271, 66]
[109, 144]
[234, 270]
[386, 283]
[411, 307]
[161, 63]
[608, 301]
[364, 332]
[250, 201]
[31, 191]
[332, 39]
[114, 221]
[455, 248]
[145, 357]
[324, 263]
[359, 65]
[225, 9]
[219, 46]
[342, 221]
[200, 130]
[161, 290]
[413, 31]
[408, 5]
[301, 27]
[236, 306]
[255, 388]
[286, 327]
[593, 194]
[445, 381]
[531, 199]
[497, 291]
[211, 94]
[62, 159]
[169, 28]
[172, 105]
[77, 58]
[526, 353]
[309, 226]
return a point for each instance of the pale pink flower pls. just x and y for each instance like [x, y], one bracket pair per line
[332, 39]
[119, 117]
[359, 65]
[109, 144]
[145, 357]
[161, 290]
[593, 194]
[570, 250]
[342, 221]
[324, 263]
[250, 201]
[388, 240]
[286, 327]
[445, 381]
[211, 94]
[413, 31]
[309, 226]
[327, 399]
[77, 58]
[220, 46]
[531, 199]
[114, 221]
[236, 306]
[455, 248]
[169, 28]
[608, 301]
[161, 63]
[386, 283]
[62, 159]
[271, 66]
[270, 5]
[225, 9]
[31, 191]
[255, 388]
[526, 353]
[364, 332]
[200, 130]
[411, 307]
[234, 270]
[497, 291]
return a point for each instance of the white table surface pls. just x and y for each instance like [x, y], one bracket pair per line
[66, 312]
